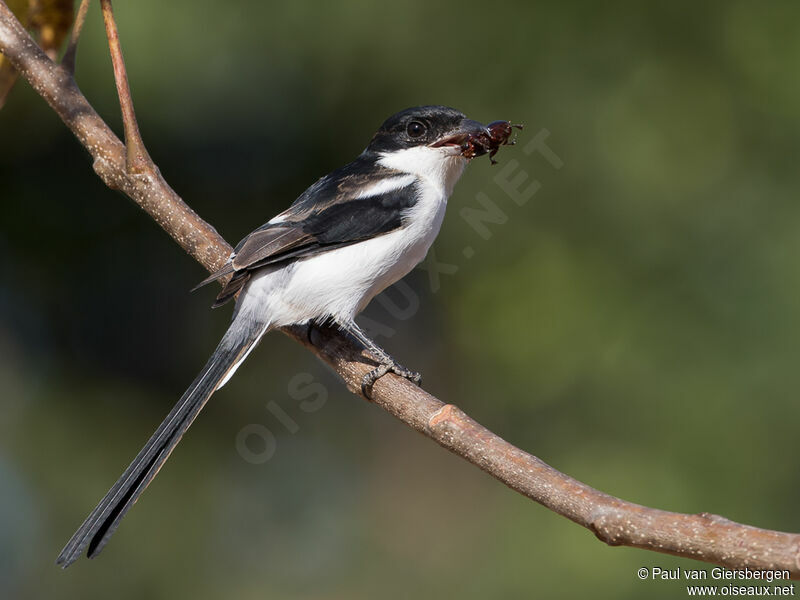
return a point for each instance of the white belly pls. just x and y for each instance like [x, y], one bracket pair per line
[341, 282]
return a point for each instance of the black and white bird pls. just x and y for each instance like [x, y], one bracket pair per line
[349, 236]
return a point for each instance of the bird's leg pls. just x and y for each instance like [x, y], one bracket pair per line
[386, 363]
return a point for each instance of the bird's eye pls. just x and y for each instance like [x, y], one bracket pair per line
[415, 129]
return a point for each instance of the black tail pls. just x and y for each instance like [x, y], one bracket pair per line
[103, 521]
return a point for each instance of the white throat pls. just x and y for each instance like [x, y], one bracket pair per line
[440, 167]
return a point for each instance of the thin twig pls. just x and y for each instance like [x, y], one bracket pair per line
[138, 160]
[703, 537]
[68, 61]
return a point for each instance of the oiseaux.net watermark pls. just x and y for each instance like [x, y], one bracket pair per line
[515, 186]
[722, 582]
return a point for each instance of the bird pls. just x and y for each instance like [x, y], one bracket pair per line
[349, 236]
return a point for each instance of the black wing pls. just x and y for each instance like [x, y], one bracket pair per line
[328, 215]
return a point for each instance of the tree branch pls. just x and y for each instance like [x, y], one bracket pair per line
[68, 61]
[149, 191]
[703, 537]
[138, 160]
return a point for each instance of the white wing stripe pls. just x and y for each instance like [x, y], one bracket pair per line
[386, 185]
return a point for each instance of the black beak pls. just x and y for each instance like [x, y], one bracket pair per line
[461, 134]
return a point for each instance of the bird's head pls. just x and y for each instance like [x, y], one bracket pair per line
[427, 141]
[439, 127]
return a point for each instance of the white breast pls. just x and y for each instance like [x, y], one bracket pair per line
[341, 282]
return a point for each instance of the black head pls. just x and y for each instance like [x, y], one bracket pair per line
[418, 126]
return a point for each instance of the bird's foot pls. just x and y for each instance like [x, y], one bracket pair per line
[370, 378]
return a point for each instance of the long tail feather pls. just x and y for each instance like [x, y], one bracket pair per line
[103, 521]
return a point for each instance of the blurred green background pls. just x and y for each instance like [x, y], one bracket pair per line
[635, 323]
